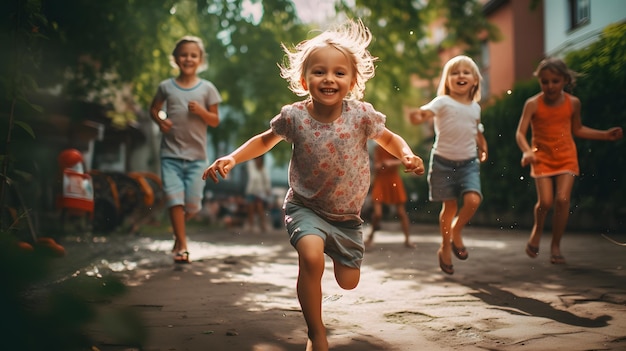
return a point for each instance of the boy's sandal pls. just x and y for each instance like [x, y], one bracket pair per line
[181, 257]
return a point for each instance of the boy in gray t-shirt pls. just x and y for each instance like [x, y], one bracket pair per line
[191, 105]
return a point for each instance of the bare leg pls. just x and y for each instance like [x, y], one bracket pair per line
[311, 268]
[545, 200]
[564, 183]
[376, 217]
[177, 218]
[347, 277]
[471, 201]
[448, 211]
[260, 211]
[404, 221]
[251, 207]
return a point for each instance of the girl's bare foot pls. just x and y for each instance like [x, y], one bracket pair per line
[317, 343]
[409, 245]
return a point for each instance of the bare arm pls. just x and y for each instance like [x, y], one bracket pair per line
[528, 154]
[398, 147]
[481, 142]
[419, 116]
[584, 132]
[254, 147]
[164, 124]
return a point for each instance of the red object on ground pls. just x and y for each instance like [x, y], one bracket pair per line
[77, 187]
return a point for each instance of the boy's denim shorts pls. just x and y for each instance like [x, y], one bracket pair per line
[183, 183]
[448, 180]
[343, 241]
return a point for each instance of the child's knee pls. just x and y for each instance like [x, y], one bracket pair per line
[472, 199]
[348, 284]
[347, 278]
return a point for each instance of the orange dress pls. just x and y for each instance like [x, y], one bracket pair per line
[552, 140]
[388, 187]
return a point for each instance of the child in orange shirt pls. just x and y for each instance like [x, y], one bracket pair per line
[554, 118]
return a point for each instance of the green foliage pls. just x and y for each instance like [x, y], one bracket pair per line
[40, 315]
[95, 50]
[600, 88]
[406, 51]
[95, 46]
[507, 187]
[244, 56]
[19, 62]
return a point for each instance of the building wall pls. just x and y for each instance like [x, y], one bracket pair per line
[528, 39]
[560, 38]
[500, 71]
[514, 57]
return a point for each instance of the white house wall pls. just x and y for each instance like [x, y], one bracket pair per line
[560, 39]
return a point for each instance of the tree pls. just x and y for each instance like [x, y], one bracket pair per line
[245, 57]
[406, 49]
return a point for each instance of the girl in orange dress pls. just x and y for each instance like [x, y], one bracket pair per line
[554, 118]
[388, 189]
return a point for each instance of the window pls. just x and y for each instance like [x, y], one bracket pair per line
[579, 13]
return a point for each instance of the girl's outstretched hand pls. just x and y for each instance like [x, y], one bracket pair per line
[221, 166]
[416, 116]
[615, 133]
[413, 164]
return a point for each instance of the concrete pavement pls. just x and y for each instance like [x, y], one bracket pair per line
[239, 295]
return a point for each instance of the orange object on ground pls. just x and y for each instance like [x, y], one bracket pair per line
[50, 245]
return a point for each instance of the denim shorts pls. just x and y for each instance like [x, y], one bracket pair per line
[183, 183]
[448, 180]
[343, 241]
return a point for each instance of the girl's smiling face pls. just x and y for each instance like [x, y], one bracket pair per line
[461, 80]
[328, 76]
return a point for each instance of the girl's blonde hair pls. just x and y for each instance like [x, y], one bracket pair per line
[454, 63]
[352, 38]
[190, 39]
[559, 67]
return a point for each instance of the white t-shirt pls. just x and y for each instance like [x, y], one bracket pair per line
[259, 183]
[456, 126]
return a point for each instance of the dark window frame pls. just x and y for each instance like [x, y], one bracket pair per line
[580, 13]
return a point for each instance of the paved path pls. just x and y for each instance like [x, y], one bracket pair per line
[239, 295]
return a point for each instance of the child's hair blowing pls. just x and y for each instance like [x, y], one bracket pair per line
[352, 38]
